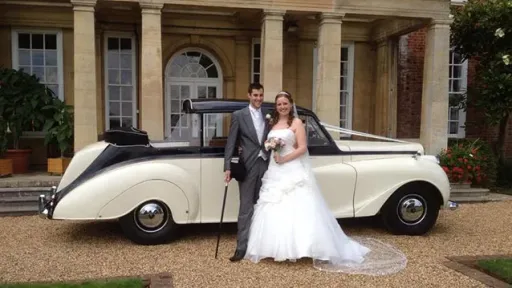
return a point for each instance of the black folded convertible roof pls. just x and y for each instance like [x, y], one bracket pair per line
[228, 105]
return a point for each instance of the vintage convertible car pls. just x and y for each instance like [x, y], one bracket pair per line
[152, 187]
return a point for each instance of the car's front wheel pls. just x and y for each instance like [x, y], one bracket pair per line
[150, 223]
[411, 210]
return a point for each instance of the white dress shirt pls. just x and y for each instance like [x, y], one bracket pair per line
[259, 125]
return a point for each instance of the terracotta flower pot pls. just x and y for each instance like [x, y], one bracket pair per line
[5, 167]
[20, 160]
[58, 166]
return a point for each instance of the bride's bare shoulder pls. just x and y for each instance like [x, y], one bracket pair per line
[296, 124]
[296, 121]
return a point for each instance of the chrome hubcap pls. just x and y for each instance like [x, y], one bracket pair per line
[151, 217]
[412, 209]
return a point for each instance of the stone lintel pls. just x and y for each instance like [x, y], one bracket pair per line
[384, 29]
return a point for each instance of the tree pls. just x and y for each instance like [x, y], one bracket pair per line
[482, 30]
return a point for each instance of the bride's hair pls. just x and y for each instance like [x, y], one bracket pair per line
[275, 114]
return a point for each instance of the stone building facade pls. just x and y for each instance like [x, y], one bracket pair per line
[133, 62]
[461, 124]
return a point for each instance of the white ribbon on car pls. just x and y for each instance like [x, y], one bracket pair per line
[332, 128]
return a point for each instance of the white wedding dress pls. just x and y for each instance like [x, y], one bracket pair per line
[291, 221]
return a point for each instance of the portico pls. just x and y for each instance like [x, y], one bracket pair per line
[133, 62]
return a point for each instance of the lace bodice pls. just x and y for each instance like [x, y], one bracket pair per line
[287, 135]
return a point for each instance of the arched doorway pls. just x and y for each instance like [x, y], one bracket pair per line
[190, 73]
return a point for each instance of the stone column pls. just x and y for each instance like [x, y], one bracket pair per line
[84, 70]
[434, 107]
[152, 98]
[290, 65]
[304, 96]
[328, 70]
[242, 71]
[271, 64]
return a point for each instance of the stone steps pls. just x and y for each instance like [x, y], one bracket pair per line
[464, 194]
[21, 201]
[470, 192]
[468, 199]
[491, 197]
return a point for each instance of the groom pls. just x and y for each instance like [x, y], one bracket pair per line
[250, 129]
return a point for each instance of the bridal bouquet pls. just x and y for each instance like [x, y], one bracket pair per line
[274, 144]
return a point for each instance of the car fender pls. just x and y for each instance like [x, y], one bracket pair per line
[161, 190]
[378, 179]
[89, 198]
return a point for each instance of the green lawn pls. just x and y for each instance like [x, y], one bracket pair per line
[499, 267]
[121, 283]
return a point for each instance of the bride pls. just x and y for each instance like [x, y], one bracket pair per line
[291, 219]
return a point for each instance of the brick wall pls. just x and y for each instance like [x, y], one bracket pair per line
[410, 84]
[410, 81]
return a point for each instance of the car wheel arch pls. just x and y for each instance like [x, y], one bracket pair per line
[177, 191]
[416, 184]
[422, 201]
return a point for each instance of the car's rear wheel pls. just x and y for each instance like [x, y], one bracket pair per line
[150, 223]
[411, 210]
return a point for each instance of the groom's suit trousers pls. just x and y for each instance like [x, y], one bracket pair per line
[249, 194]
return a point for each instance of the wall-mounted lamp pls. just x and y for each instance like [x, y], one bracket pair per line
[292, 27]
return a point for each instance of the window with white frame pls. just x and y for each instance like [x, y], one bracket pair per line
[120, 82]
[346, 84]
[255, 60]
[458, 71]
[39, 53]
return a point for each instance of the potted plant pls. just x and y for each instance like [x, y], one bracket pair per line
[21, 98]
[468, 163]
[5, 164]
[59, 130]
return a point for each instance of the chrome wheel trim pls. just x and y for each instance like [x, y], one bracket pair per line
[411, 209]
[151, 216]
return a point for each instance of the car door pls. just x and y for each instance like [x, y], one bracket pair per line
[335, 178]
[215, 131]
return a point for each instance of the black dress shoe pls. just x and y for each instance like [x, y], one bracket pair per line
[239, 255]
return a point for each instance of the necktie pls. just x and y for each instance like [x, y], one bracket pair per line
[257, 115]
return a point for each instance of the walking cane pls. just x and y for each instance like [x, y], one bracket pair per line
[221, 218]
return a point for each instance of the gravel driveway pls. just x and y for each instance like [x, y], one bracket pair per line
[32, 249]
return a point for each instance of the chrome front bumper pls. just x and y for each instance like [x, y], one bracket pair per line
[47, 204]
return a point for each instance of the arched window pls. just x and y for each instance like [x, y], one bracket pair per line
[190, 73]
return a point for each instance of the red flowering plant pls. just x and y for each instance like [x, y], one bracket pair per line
[468, 162]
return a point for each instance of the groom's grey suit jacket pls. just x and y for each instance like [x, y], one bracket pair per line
[242, 133]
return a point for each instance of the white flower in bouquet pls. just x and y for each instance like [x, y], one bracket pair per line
[274, 144]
